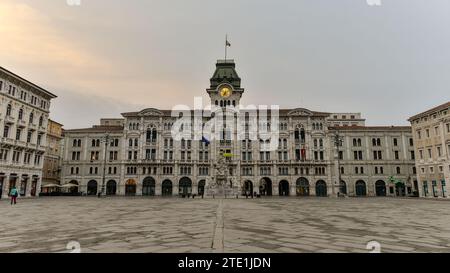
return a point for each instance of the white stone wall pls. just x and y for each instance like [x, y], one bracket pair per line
[13, 90]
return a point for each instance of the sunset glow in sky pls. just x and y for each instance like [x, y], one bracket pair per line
[111, 56]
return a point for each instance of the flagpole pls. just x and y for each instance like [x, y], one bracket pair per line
[226, 39]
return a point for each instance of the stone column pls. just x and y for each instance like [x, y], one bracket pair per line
[5, 187]
[28, 187]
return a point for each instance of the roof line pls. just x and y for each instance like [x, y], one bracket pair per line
[28, 82]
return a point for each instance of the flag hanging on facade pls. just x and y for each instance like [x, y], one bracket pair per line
[205, 140]
[227, 43]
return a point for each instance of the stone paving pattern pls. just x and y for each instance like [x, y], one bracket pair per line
[138, 224]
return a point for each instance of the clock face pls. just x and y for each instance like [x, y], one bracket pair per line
[225, 92]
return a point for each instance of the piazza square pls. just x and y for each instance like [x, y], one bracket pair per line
[195, 225]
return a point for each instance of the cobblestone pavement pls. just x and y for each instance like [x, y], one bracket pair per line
[139, 224]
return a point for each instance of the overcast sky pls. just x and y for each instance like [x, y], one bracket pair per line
[106, 57]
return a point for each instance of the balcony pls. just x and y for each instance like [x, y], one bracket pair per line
[9, 119]
[21, 123]
[32, 126]
[6, 140]
[20, 143]
[42, 128]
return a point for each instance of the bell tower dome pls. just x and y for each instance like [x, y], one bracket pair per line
[225, 85]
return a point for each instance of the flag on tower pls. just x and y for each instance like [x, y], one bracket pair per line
[227, 43]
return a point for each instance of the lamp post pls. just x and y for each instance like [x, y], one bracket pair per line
[338, 142]
[103, 192]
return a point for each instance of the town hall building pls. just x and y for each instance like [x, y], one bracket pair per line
[317, 153]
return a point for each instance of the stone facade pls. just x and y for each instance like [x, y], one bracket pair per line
[431, 130]
[51, 173]
[143, 158]
[24, 111]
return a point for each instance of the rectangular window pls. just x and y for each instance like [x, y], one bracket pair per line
[30, 134]
[6, 131]
[18, 131]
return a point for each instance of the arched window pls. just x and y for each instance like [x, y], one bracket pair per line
[20, 114]
[31, 117]
[354, 142]
[374, 142]
[130, 142]
[93, 143]
[398, 170]
[359, 142]
[79, 143]
[41, 121]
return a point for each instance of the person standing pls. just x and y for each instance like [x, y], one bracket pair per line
[14, 193]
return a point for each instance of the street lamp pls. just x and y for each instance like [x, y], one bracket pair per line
[103, 192]
[338, 142]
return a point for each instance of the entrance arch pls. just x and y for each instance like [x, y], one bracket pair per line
[185, 186]
[321, 188]
[148, 186]
[400, 189]
[111, 187]
[360, 188]
[92, 187]
[248, 188]
[265, 187]
[130, 187]
[283, 188]
[380, 188]
[166, 188]
[343, 187]
[302, 187]
[74, 189]
[201, 187]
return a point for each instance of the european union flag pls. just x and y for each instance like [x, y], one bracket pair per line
[205, 140]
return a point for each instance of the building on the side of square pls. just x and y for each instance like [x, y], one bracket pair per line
[51, 173]
[376, 160]
[24, 113]
[431, 131]
[143, 158]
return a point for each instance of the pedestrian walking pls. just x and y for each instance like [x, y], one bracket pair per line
[14, 193]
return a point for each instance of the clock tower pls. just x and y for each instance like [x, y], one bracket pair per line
[225, 89]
